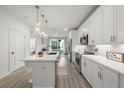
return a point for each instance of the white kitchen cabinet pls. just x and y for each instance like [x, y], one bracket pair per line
[43, 74]
[74, 35]
[91, 30]
[95, 27]
[112, 24]
[78, 36]
[83, 29]
[121, 81]
[105, 25]
[108, 23]
[83, 66]
[119, 37]
[100, 76]
[97, 82]
[104, 78]
[89, 70]
[86, 69]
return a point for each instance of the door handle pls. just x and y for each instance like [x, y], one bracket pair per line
[12, 52]
[111, 38]
[115, 37]
[98, 75]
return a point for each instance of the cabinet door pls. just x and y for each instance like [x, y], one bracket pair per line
[74, 35]
[108, 82]
[97, 26]
[91, 30]
[89, 71]
[83, 66]
[97, 82]
[43, 74]
[120, 24]
[107, 23]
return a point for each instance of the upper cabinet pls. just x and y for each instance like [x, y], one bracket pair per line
[108, 21]
[112, 24]
[74, 36]
[119, 37]
[83, 29]
[95, 27]
[105, 25]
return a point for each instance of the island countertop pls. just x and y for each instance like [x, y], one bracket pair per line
[45, 58]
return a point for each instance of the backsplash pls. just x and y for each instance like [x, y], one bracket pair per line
[102, 49]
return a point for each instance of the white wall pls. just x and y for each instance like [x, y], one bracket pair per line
[102, 49]
[6, 20]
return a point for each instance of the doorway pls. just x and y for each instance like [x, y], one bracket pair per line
[57, 45]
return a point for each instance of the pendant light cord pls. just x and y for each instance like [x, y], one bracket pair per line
[37, 7]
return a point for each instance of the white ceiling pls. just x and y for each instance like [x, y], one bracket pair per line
[58, 16]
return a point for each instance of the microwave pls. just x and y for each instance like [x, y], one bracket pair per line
[84, 39]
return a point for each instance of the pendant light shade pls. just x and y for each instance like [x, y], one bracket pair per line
[37, 25]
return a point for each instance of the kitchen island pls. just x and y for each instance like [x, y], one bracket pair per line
[43, 70]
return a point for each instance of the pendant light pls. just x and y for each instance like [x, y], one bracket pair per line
[44, 27]
[46, 34]
[37, 25]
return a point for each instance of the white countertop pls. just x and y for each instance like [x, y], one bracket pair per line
[45, 58]
[114, 65]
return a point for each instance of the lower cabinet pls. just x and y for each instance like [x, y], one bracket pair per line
[86, 69]
[121, 81]
[104, 78]
[99, 76]
[83, 66]
[97, 83]
[89, 70]
[43, 74]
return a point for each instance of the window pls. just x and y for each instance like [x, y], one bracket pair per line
[56, 44]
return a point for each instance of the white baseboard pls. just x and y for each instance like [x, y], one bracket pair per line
[4, 75]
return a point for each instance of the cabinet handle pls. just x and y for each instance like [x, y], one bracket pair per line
[112, 38]
[92, 41]
[12, 52]
[100, 76]
[115, 37]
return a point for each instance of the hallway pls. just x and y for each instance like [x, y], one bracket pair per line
[67, 77]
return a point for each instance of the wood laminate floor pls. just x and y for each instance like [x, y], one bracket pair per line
[67, 77]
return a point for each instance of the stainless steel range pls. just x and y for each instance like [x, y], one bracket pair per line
[88, 50]
[78, 62]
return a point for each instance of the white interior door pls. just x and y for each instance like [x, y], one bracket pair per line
[17, 49]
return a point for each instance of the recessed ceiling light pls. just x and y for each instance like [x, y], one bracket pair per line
[56, 34]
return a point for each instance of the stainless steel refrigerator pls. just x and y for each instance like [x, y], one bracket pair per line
[70, 50]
